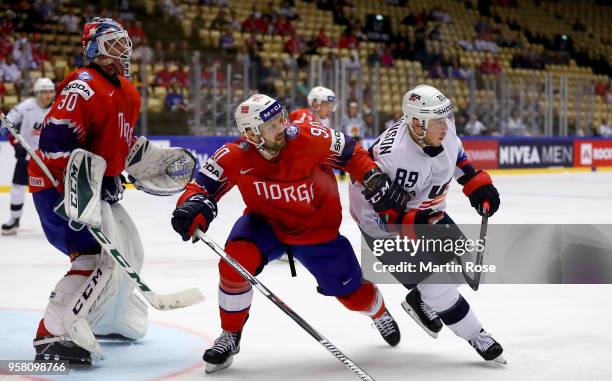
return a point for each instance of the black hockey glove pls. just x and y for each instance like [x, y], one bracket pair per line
[387, 198]
[197, 211]
[20, 152]
[112, 188]
[480, 188]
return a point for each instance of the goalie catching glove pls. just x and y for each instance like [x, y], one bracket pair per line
[158, 170]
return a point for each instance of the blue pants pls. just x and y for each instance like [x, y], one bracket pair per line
[333, 263]
[56, 229]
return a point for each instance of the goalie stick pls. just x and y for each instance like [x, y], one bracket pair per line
[160, 302]
[284, 307]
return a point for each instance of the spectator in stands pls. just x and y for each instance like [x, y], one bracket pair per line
[286, 10]
[387, 57]
[370, 123]
[163, 77]
[171, 9]
[352, 123]
[514, 125]
[174, 100]
[71, 22]
[226, 39]
[323, 41]
[180, 76]
[458, 72]
[438, 14]
[293, 44]
[605, 129]
[311, 45]
[159, 55]
[76, 59]
[220, 20]
[46, 8]
[59, 73]
[482, 26]
[7, 27]
[283, 26]
[22, 53]
[352, 63]
[265, 83]
[254, 23]
[41, 55]
[233, 21]
[10, 70]
[435, 33]
[136, 32]
[394, 117]
[436, 71]
[374, 57]
[490, 65]
[485, 43]
[474, 127]
[6, 46]
[601, 89]
[348, 40]
[142, 52]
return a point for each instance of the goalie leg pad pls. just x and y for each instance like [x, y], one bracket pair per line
[160, 171]
[120, 310]
[65, 290]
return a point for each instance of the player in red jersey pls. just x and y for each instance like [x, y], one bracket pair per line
[284, 173]
[321, 103]
[96, 111]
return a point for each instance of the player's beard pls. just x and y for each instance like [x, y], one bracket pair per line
[277, 144]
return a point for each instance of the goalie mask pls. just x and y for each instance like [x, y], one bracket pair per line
[429, 106]
[107, 42]
[256, 113]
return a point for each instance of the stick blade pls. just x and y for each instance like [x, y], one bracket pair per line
[176, 300]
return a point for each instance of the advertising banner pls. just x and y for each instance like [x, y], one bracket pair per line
[483, 153]
[592, 153]
[534, 152]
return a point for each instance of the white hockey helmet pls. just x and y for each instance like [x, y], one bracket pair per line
[321, 94]
[43, 84]
[255, 111]
[425, 103]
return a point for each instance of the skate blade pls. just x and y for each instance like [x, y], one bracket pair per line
[212, 368]
[9, 232]
[416, 319]
[499, 360]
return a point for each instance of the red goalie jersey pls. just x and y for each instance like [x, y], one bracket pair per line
[296, 192]
[94, 112]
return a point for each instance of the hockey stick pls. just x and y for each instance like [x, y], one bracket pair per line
[158, 301]
[483, 238]
[284, 307]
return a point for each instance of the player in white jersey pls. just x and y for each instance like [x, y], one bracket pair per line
[28, 116]
[422, 153]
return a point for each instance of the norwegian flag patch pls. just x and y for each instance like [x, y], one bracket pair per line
[244, 110]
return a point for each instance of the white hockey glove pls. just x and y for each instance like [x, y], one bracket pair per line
[157, 170]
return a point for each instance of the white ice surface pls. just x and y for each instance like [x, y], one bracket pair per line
[548, 331]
